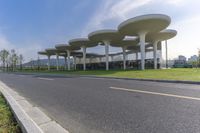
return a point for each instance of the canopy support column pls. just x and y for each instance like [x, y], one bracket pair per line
[57, 61]
[48, 62]
[107, 43]
[142, 49]
[84, 58]
[65, 58]
[155, 54]
[124, 57]
[68, 60]
[74, 62]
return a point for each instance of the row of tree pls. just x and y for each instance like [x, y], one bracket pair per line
[10, 59]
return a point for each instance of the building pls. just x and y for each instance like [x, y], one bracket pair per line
[148, 31]
[193, 58]
[181, 62]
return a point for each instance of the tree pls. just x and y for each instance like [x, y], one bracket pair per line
[4, 56]
[14, 59]
[21, 59]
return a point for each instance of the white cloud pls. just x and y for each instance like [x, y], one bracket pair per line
[185, 19]
[4, 42]
[176, 2]
[187, 40]
[110, 9]
[28, 51]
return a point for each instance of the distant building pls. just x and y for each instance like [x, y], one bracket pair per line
[193, 58]
[181, 62]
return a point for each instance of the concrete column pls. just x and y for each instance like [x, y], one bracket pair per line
[124, 57]
[107, 43]
[75, 62]
[136, 56]
[84, 58]
[68, 60]
[166, 53]
[112, 58]
[65, 62]
[57, 61]
[100, 59]
[142, 49]
[155, 54]
[49, 62]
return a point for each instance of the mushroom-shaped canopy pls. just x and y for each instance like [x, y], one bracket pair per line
[42, 53]
[51, 51]
[66, 47]
[125, 42]
[137, 47]
[77, 54]
[105, 35]
[80, 42]
[144, 23]
[160, 36]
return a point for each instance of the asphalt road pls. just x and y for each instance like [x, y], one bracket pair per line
[91, 105]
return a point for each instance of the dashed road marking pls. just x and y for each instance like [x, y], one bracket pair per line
[156, 93]
[46, 79]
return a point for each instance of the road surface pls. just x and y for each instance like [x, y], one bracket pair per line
[93, 105]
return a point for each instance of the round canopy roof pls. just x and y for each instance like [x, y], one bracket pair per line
[105, 35]
[66, 47]
[79, 42]
[160, 36]
[137, 47]
[126, 42]
[144, 23]
[42, 53]
[51, 51]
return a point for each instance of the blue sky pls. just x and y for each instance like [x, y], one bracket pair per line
[32, 25]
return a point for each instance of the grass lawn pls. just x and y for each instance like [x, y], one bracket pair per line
[190, 74]
[7, 121]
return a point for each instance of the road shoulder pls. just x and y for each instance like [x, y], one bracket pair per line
[30, 118]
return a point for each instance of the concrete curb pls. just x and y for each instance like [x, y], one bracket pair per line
[30, 118]
[93, 76]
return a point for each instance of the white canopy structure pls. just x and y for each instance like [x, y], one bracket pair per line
[147, 30]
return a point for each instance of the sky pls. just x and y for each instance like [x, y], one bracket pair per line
[33, 25]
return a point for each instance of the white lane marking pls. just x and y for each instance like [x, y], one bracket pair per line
[46, 79]
[156, 93]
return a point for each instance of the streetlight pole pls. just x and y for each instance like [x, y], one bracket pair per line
[198, 62]
[166, 53]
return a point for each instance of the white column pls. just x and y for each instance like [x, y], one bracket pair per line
[124, 57]
[112, 58]
[84, 58]
[142, 49]
[65, 62]
[107, 43]
[136, 56]
[48, 62]
[75, 62]
[57, 61]
[155, 54]
[100, 59]
[68, 60]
